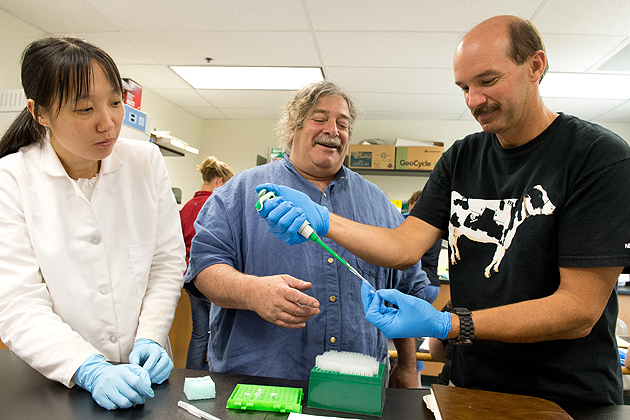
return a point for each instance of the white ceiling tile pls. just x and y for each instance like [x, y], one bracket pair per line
[411, 15]
[230, 48]
[412, 116]
[249, 114]
[389, 102]
[153, 77]
[394, 80]
[388, 49]
[466, 115]
[395, 56]
[183, 97]
[207, 113]
[204, 15]
[122, 48]
[584, 108]
[578, 53]
[620, 113]
[608, 17]
[65, 16]
[252, 99]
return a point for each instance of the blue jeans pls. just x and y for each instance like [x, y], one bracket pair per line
[198, 347]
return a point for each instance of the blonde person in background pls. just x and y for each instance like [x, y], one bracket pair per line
[214, 173]
[91, 250]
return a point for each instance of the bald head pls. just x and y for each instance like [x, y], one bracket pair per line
[517, 38]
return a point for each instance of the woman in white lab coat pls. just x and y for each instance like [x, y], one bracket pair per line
[91, 249]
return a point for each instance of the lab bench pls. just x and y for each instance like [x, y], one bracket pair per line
[24, 393]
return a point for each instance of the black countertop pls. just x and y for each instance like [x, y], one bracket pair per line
[26, 394]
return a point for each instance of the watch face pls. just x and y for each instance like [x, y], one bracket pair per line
[461, 311]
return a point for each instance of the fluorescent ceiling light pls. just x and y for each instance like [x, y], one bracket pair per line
[587, 86]
[252, 78]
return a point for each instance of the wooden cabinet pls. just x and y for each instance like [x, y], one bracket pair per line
[181, 331]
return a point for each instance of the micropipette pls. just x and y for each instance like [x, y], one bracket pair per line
[307, 231]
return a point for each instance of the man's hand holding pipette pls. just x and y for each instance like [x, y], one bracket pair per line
[414, 317]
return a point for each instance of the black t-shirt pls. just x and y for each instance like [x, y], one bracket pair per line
[429, 262]
[513, 217]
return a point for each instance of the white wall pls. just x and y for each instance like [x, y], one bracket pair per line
[237, 142]
[165, 116]
[15, 36]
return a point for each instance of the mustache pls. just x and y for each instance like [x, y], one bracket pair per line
[484, 109]
[327, 141]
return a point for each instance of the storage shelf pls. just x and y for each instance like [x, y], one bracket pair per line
[261, 160]
[390, 172]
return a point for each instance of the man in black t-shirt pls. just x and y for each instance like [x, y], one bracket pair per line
[534, 211]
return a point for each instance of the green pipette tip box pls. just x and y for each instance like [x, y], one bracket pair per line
[266, 398]
[347, 393]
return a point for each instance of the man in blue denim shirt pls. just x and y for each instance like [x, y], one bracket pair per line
[276, 307]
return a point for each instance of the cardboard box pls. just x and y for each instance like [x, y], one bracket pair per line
[418, 158]
[371, 156]
[132, 93]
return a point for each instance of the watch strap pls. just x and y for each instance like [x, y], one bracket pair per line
[466, 327]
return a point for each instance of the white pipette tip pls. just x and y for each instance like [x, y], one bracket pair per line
[356, 273]
[196, 412]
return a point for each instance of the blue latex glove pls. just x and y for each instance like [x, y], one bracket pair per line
[113, 387]
[284, 220]
[414, 317]
[280, 216]
[367, 295]
[153, 358]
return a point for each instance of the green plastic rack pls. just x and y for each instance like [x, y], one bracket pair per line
[266, 398]
[347, 393]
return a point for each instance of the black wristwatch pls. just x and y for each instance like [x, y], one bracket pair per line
[466, 327]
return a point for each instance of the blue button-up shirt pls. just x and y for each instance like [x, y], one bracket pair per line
[229, 231]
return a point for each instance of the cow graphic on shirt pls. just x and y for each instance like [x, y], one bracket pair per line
[493, 221]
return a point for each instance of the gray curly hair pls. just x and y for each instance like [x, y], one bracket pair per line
[300, 105]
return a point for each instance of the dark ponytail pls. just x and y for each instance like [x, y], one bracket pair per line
[54, 70]
[24, 130]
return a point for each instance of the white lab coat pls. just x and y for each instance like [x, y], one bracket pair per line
[80, 277]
